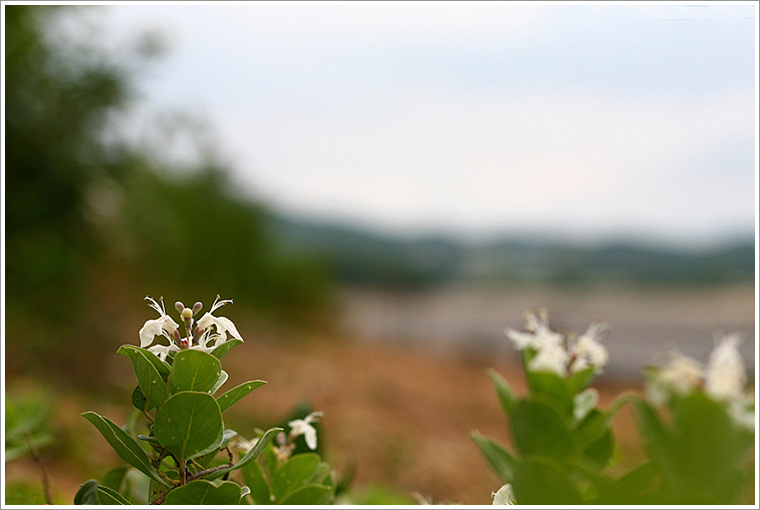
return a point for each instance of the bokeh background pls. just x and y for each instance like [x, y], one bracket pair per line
[381, 188]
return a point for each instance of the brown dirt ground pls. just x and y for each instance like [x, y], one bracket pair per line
[402, 415]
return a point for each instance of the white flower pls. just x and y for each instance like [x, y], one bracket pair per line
[681, 375]
[584, 402]
[588, 351]
[164, 325]
[539, 333]
[725, 375]
[742, 410]
[304, 427]
[223, 325]
[504, 496]
[163, 350]
[551, 357]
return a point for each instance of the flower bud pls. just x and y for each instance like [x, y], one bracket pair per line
[197, 307]
[179, 306]
[187, 314]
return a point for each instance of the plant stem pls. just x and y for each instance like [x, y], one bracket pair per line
[166, 478]
[38, 460]
[208, 471]
[182, 472]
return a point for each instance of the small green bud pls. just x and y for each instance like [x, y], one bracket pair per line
[187, 314]
[179, 306]
[197, 307]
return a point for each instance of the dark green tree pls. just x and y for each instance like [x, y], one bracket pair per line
[57, 102]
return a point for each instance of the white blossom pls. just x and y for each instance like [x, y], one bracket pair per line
[584, 402]
[210, 332]
[304, 428]
[681, 376]
[164, 325]
[504, 496]
[551, 357]
[742, 410]
[162, 351]
[539, 334]
[588, 351]
[223, 325]
[725, 375]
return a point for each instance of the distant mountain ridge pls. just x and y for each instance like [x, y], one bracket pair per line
[357, 255]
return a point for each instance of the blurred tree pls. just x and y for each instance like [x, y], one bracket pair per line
[55, 106]
[94, 223]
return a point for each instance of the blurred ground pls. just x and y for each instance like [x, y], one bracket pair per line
[398, 409]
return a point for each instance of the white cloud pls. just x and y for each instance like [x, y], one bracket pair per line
[530, 160]
[433, 115]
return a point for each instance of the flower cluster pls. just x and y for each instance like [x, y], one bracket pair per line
[207, 334]
[554, 352]
[723, 379]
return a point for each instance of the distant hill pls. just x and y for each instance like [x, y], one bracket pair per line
[356, 255]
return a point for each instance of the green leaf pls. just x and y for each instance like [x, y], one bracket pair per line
[705, 449]
[250, 456]
[254, 477]
[630, 487]
[656, 437]
[226, 347]
[203, 492]
[108, 496]
[87, 493]
[229, 398]
[115, 478]
[506, 396]
[543, 482]
[309, 495]
[500, 460]
[594, 437]
[538, 429]
[552, 386]
[599, 452]
[162, 366]
[578, 381]
[139, 400]
[592, 427]
[155, 491]
[124, 445]
[220, 442]
[293, 474]
[145, 365]
[188, 423]
[194, 370]
[322, 475]
[218, 384]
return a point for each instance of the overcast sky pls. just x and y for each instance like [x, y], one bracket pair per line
[588, 121]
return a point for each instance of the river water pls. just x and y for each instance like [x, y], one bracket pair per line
[469, 321]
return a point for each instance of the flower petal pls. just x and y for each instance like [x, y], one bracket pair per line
[725, 375]
[504, 496]
[149, 331]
